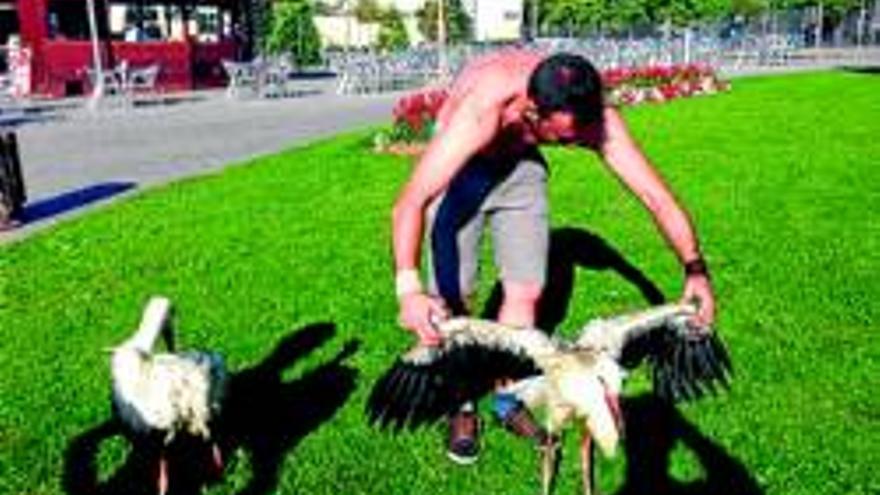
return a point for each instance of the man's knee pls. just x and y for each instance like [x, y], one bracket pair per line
[520, 303]
[522, 293]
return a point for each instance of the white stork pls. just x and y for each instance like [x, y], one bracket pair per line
[157, 396]
[577, 380]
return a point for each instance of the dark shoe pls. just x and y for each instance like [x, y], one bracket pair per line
[517, 419]
[9, 224]
[464, 430]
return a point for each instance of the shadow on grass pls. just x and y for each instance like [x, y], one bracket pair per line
[62, 203]
[868, 69]
[264, 416]
[653, 429]
[570, 249]
[11, 117]
[267, 416]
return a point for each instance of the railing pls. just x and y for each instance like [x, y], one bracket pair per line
[366, 73]
[263, 77]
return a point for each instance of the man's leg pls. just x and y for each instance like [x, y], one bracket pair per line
[465, 243]
[520, 303]
[520, 233]
[455, 224]
[521, 238]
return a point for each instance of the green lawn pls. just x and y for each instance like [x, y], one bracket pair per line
[781, 176]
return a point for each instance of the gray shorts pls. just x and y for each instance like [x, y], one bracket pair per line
[516, 209]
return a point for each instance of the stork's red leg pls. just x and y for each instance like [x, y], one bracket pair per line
[549, 452]
[163, 474]
[587, 462]
[217, 457]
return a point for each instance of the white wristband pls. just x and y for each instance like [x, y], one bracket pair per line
[407, 282]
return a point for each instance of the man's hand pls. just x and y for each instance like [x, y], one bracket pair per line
[698, 288]
[417, 310]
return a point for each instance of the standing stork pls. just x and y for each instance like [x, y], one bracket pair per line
[157, 396]
[575, 381]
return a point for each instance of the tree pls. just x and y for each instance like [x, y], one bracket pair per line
[621, 15]
[748, 8]
[584, 16]
[293, 31]
[368, 11]
[458, 24]
[685, 12]
[829, 15]
[255, 25]
[573, 17]
[392, 31]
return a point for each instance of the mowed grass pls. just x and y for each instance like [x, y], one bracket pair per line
[780, 175]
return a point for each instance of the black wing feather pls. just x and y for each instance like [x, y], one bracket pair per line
[687, 367]
[410, 395]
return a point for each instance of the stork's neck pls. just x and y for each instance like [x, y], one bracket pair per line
[154, 319]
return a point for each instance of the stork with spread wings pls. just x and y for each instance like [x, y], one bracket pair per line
[578, 380]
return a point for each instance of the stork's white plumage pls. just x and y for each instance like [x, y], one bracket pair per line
[575, 381]
[161, 395]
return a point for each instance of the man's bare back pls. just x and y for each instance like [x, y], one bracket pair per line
[514, 68]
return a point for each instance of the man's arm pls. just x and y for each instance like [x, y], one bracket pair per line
[470, 127]
[624, 157]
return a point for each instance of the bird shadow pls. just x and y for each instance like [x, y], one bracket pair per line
[654, 428]
[264, 416]
[570, 249]
[268, 416]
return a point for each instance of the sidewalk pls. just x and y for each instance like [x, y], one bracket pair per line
[70, 154]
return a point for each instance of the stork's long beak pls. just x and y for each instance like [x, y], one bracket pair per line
[613, 402]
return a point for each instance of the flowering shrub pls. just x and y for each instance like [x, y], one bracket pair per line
[413, 119]
[658, 83]
[415, 114]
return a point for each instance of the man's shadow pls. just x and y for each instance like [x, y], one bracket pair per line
[263, 416]
[653, 429]
[570, 249]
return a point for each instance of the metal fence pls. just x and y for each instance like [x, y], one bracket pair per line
[781, 39]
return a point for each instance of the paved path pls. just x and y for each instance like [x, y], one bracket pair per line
[75, 155]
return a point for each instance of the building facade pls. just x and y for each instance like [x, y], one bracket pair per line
[186, 38]
[492, 20]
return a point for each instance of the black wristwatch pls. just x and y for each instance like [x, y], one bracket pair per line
[696, 266]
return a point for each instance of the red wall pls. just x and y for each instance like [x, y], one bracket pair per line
[32, 27]
[59, 65]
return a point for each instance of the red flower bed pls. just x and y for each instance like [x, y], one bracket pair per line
[658, 83]
[418, 111]
[414, 117]
[415, 114]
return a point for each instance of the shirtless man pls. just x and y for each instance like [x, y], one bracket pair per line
[483, 165]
